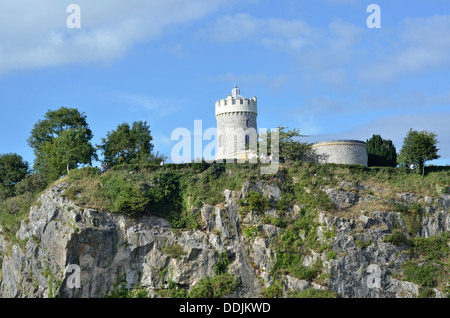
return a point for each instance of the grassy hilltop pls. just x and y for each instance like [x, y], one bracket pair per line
[174, 191]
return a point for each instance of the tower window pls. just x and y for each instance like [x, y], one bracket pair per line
[225, 103]
[234, 101]
[246, 123]
[242, 101]
[247, 142]
[248, 101]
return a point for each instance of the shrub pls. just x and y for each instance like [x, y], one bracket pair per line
[222, 264]
[425, 275]
[273, 291]
[307, 273]
[434, 247]
[426, 292]
[312, 293]
[173, 251]
[292, 263]
[121, 291]
[87, 172]
[32, 183]
[275, 221]
[214, 287]
[12, 211]
[397, 238]
[185, 220]
[254, 202]
[413, 217]
[131, 201]
[251, 232]
[133, 194]
[331, 255]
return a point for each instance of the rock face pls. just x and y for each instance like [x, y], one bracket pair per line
[108, 248]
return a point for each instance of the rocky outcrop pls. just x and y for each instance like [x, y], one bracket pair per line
[109, 248]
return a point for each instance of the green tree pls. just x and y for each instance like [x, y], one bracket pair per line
[12, 170]
[290, 146]
[72, 148]
[381, 152]
[61, 141]
[32, 183]
[128, 145]
[419, 147]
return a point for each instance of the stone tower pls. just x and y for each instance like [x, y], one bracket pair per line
[236, 126]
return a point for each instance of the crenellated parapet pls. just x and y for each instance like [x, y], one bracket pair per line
[236, 104]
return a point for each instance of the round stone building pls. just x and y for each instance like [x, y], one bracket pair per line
[340, 152]
[236, 126]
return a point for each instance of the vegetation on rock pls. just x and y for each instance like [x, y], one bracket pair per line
[178, 192]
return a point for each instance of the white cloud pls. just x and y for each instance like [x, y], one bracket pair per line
[271, 32]
[175, 49]
[292, 35]
[34, 34]
[158, 106]
[341, 51]
[422, 46]
[343, 36]
[324, 105]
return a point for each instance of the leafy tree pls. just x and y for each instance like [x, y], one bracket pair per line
[419, 147]
[381, 152]
[72, 148]
[32, 183]
[290, 147]
[61, 141]
[128, 145]
[12, 170]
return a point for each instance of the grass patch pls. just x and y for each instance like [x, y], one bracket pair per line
[412, 215]
[170, 191]
[120, 290]
[12, 212]
[435, 248]
[273, 291]
[254, 202]
[295, 242]
[426, 275]
[312, 293]
[397, 238]
[251, 232]
[174, 250]
[217, 286]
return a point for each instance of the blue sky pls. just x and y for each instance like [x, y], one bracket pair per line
[314, 65]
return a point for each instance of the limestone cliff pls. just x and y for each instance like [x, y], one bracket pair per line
[358, 260]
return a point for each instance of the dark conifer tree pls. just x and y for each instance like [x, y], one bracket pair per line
[381, 152]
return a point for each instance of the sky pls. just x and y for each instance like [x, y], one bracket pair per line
[313, 65]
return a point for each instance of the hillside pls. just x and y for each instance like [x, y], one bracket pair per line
[200, 230]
